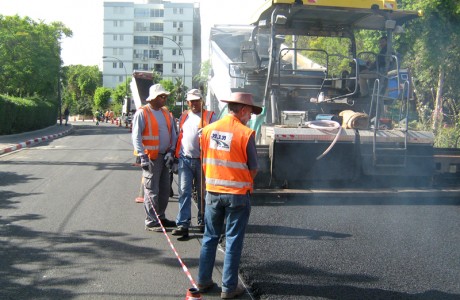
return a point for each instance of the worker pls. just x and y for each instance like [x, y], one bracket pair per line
[230, 165]
[106, 115]
[188, 153]
[154, 138]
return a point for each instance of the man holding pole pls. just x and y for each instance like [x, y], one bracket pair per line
[188, 153]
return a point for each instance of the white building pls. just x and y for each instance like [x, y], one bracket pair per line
[151, 35]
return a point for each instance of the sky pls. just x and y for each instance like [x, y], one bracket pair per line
[85, 19]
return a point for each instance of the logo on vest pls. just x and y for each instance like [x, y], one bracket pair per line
[221, 140]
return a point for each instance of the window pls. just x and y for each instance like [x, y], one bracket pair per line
[174, 24]
[114, 65]
[122, 37]
[174, 52]
[141, 12]
[118, 23]
[180, 66]
[154, 54]
[141, 26]
[114, 51]
[156, 40]
[115, 37]
[156, 27]
[141, 40]
[158, 68]
[174, 10]
[120, 78]
[181, 11]
[156, 13]
[137, 53]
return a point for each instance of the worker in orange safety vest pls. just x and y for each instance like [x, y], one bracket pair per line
[230, 165]
[154, 139]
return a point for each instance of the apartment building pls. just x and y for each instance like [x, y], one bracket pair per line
[151, 35]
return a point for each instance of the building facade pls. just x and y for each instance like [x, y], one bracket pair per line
[151, 35]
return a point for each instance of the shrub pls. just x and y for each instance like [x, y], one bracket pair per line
[19, 115]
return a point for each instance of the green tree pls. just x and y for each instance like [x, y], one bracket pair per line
[178, 91]
[80, 84]
[121, 90]
[102, 98]
[30, 58]
[435, 57]
[201, 79]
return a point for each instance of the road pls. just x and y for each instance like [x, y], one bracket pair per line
[70, 229]
[345, 248]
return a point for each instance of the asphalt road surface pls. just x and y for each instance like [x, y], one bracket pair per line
[306, 248]
[69, 229]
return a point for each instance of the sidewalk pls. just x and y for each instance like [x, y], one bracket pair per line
[13, 142]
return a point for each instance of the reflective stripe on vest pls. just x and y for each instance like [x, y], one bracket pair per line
[225, 158]
[206, 119]
[225, 163]
[151, 133]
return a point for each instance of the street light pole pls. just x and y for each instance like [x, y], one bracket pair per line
[183, 67]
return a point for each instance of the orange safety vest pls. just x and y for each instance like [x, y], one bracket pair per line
[151, 132]
[206, 117]
[225, 158]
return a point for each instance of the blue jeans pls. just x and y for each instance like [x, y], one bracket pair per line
[235, 211]
[189, 173]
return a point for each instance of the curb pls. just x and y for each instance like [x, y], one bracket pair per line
[32, 142]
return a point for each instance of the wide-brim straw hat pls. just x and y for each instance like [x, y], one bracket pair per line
[155, 91]
[244, 98]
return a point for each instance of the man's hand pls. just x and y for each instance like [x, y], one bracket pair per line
[169, 160]
[145, 162]
[175, 166]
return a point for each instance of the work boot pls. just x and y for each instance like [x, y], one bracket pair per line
[155, 228]
[168, 223]
[180, 231]
[203, 288]
[233, 294]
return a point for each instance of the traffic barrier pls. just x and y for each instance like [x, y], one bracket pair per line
[193, 294]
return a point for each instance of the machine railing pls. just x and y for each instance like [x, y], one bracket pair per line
[383, 155]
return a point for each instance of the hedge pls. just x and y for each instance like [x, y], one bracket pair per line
[20, 115]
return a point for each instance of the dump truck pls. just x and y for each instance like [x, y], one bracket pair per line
[139, 85]
[317, 128]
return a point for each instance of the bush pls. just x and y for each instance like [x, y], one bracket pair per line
[19, 115]
[447, 138]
